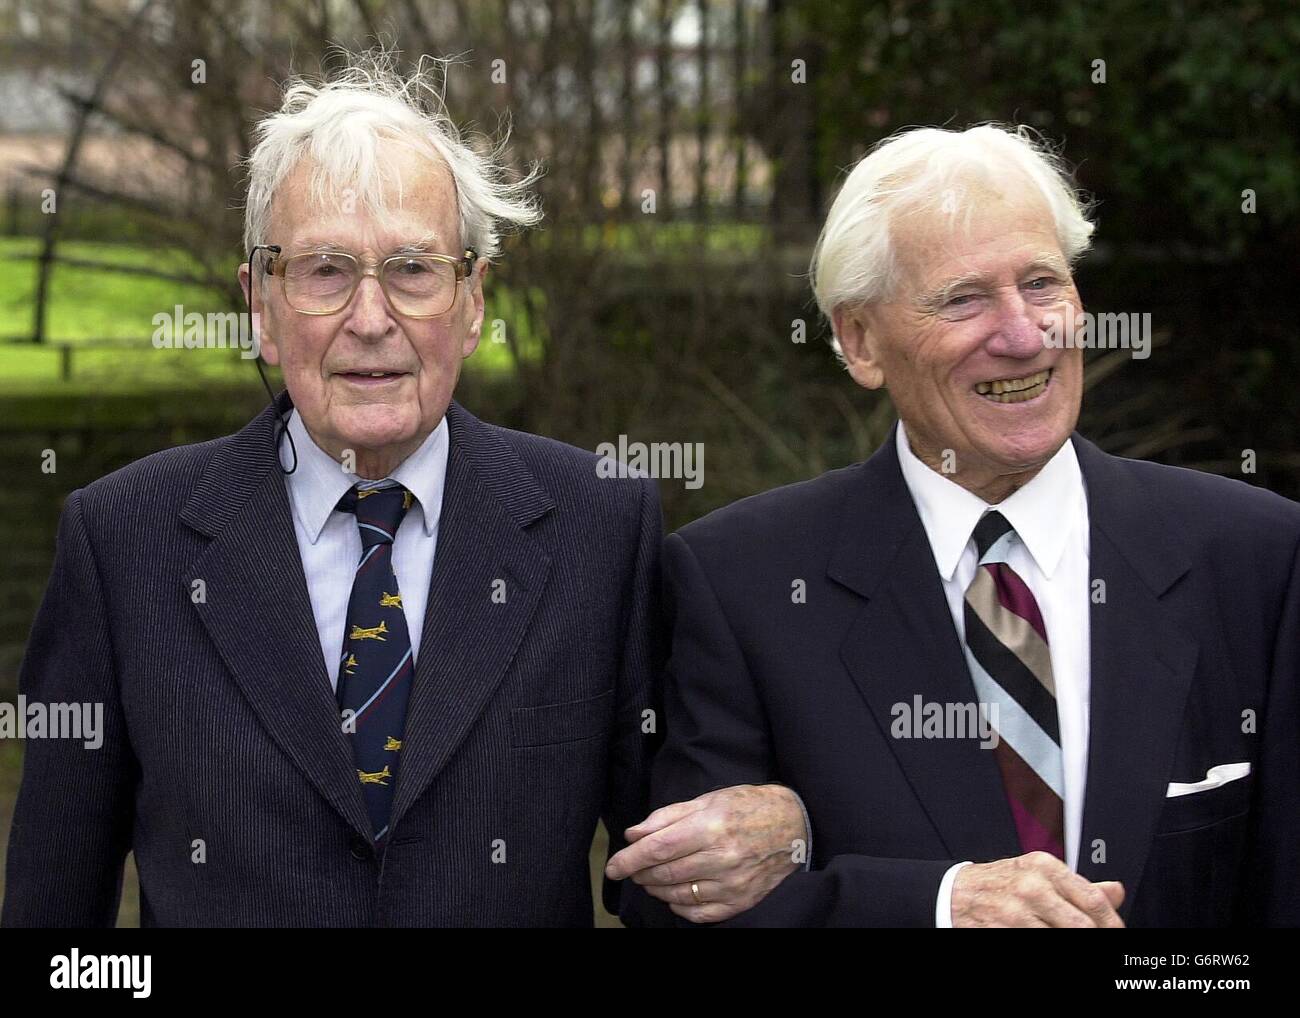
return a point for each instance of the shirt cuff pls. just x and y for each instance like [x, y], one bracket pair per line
[943, 904]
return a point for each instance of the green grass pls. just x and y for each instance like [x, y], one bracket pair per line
[89, 303]
[86, 305]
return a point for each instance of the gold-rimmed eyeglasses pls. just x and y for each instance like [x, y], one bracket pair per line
[417, 285]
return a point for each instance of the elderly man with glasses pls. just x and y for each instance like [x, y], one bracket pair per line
[370, 661]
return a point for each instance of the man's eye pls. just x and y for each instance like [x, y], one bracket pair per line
[961, 300]
[325, 269]
[1041, 283]
[413, 268]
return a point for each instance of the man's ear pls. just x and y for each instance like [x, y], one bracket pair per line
[265, 343]
[859, 345]
[475, 306]
[243, 280]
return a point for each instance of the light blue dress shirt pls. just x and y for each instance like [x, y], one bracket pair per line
[330, 545]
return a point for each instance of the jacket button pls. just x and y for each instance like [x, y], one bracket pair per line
[359, 848]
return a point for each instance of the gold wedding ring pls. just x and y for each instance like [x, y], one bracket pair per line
[695, 893]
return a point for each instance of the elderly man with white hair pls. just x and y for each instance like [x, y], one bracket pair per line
[370, 661]
[1016, 681]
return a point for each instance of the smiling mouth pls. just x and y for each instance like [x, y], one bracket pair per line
[1015, 390]
[370, 377]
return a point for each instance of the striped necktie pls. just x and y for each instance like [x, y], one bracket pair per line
[377, 665]
[1006, 649]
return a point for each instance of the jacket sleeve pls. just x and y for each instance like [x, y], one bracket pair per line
[717, 734]
[636, 731]
[73, 819]
[1272, 880]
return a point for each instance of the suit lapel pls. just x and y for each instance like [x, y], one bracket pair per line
[470, 636]
[902, 644]
[257, 610]
[1141, 669]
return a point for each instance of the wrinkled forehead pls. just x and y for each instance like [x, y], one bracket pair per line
[974, 216]
[404, 197]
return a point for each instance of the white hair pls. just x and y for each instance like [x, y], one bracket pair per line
[338, 125]
[922, 168]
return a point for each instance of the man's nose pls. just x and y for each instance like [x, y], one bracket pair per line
[369, 313]
[1019, 328]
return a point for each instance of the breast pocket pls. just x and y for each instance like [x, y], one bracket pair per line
[1202, 809]
[1194, 868]
[553, 723]
[1194, 871]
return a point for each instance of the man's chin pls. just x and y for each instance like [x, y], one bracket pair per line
[373, 440]
[1014, 456]
[1024, 440]
[372, 429]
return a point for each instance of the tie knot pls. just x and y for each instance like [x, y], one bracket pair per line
[379, 511]
[991, 537]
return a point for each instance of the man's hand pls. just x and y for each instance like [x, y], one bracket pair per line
[734, 845]
[1033, 890]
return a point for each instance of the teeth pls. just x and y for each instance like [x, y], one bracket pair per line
[1014, 390]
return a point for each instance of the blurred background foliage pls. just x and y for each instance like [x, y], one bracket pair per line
[739, 117]
[691, 149]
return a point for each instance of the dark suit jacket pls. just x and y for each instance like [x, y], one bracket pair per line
[524, 724]
[1200, 623]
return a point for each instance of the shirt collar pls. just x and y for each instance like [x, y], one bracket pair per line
[1044, 512]
[317, 485]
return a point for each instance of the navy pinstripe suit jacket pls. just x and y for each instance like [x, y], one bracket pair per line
[223, 765]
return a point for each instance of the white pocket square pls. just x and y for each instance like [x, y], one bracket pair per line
[1214, 777]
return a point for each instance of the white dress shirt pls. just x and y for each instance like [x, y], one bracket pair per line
[329, 542]
[1050, 515]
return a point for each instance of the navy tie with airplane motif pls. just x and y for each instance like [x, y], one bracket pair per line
[377, 666]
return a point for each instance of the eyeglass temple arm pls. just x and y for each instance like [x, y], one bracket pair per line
[273, 249]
